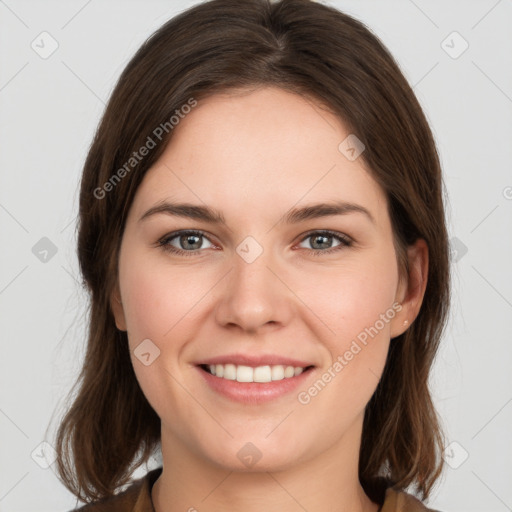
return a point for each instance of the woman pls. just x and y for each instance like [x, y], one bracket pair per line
[262, 234]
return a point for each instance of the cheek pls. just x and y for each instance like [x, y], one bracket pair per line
[352, 297]
[356, 303]
[161, 306]
[159, 300]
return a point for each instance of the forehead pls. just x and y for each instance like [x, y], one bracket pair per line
[261, 151]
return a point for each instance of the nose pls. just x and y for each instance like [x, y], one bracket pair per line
[254, 295]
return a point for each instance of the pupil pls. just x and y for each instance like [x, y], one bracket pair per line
[188, 238]
[322, 237]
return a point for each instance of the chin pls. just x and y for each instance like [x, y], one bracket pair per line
[254, 454]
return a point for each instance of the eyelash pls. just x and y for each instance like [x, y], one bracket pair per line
[344, 239]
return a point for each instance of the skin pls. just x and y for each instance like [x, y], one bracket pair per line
[254, 156]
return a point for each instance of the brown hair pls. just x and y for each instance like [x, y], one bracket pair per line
[307, 48]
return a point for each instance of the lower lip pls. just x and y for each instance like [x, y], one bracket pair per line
[254, 392]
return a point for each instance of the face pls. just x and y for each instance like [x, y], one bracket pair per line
[263, 290]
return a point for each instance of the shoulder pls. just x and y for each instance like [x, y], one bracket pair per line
[135, 498]
[401, 501]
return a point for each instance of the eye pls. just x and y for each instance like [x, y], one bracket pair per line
[191, 241]
[321, 239]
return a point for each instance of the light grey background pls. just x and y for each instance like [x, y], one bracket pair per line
[49, 109]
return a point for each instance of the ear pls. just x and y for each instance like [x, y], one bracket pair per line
[117, 308]
[411, 288]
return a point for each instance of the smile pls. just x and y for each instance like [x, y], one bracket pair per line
[254, 385]
[242, 373]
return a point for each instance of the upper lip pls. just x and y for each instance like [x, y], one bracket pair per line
[255, 360]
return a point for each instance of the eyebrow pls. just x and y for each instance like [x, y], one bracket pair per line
[293, 216]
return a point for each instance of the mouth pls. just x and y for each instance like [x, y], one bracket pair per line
[255, 378]
[254, 374]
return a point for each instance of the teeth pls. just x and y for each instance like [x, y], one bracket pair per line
[262, 374]
[289, 371]
[243, 373]
[277, 372]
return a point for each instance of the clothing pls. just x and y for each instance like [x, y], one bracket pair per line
[137, 498]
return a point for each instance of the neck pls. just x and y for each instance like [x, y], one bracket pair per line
[327, 482]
